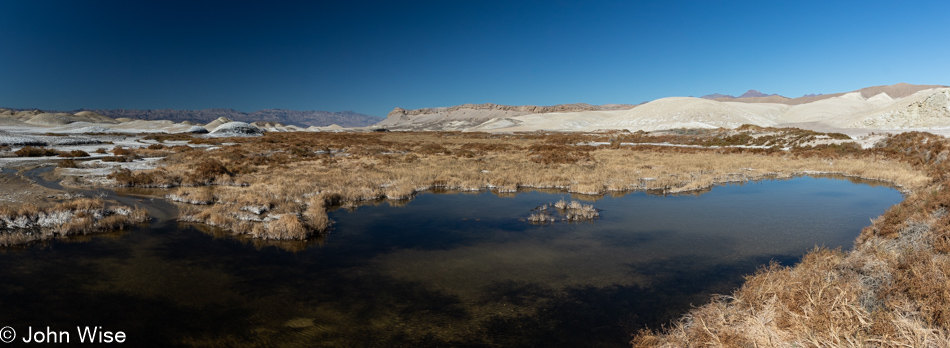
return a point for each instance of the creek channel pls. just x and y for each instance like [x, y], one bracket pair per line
[444, 269]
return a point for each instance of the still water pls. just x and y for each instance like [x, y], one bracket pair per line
[439, 270]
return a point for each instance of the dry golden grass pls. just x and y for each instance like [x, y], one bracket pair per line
[891, 290]
[28, 223]
[261, 180]
[887, 292]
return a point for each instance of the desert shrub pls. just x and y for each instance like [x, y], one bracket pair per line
[288, 226]
[564, 138]
[749, 127]
[100, 150]
[30, 151]
[120, 151]
[848, 149]
[181, 148]
[231, 154]
[123, 177]
[206, 171]
[117, 159]
[731, 140]
[210, 141]
[157, 147]
[67, 163]
[152, 178]
[74, 153]
[164, 137]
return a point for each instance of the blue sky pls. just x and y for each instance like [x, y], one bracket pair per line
[372, 56]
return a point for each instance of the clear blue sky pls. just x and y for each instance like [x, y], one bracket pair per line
[372, 56]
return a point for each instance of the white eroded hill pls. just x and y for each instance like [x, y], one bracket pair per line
[867, 109]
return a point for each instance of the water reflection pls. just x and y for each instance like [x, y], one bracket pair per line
[440, 270]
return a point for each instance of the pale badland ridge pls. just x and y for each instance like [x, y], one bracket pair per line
[894, 107]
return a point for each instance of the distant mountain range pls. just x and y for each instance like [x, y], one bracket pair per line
[287, 117]
[898, 90]
[750, 94]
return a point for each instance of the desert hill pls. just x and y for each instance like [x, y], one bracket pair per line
[283, 116]
[287, 117]
[894, 107]
[35, 121]
[468, 115]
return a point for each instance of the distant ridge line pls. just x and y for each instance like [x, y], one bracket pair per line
[898, 90]
[203, 116]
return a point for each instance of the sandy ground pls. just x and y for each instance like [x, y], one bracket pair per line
[15, 189]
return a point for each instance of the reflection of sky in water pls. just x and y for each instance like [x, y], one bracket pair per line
[442, 270]
[454, 252]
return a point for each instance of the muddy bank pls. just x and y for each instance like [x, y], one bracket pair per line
[53, 211]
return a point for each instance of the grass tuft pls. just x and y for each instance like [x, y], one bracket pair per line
[28, 223]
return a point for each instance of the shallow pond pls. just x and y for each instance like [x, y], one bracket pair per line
[440, 270]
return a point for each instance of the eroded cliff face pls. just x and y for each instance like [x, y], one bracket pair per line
[926, 109]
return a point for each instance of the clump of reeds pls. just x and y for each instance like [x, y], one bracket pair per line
[286, 227]
[192, 196]
[562, 210]
[542, 215]
[575, 211]
[74, 153]
[31, 151]
[162, 137]
[244, 214]
[67, 163]
[28, 222]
